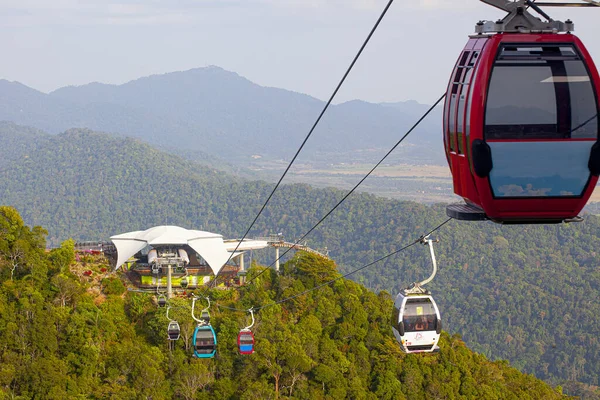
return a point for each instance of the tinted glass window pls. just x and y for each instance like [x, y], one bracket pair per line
[246, 339]
[446, 121]
[457, 80]
[540, 92]
[467, 92]
[461, 118]
[584, 111]
[538, 169]
[204, 334]
[452, 121]
[460, 72]
[205, 341]
[419, 315]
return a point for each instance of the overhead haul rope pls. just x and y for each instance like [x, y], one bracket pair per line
[341, 276]
[357, 185]
[339, 85]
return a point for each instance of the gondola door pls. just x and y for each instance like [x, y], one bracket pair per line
[205, 342]
[540, 125]
[457, 114]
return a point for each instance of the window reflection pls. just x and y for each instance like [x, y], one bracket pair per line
[538, 169]
[541, 92]
[419, 315]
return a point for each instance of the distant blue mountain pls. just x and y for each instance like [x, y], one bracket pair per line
[212, 111]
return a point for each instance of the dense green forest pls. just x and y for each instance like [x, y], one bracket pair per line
[67, 335]
[523, 293]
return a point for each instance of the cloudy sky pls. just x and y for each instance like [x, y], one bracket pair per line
[300, 45]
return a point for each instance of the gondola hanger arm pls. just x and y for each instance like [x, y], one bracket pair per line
[193, 306]
[199, 320]
[520, 19]
[251, 311]
[426, 240]
[504, 5]
[586, 3]
[417, 287]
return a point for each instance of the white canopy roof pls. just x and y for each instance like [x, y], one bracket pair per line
[247, 244]
[209, 246]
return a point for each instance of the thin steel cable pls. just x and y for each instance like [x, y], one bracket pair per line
[342, 276]
[359, 182]
[339, 85]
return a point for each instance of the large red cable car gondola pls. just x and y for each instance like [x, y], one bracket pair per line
[521, 121]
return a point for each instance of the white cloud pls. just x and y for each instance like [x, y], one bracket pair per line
[368, 4]
[133, 12]
[80, 12]
[443, 4]
[330, 4]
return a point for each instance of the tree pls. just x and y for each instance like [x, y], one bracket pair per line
[192, 377]
[20, 247]
[67, 288]
[63, 256]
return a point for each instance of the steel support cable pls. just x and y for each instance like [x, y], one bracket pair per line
[359, 182]
[339, 85]
[341, 276]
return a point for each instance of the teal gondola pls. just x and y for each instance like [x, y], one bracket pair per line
[205, 338]
[205, 341]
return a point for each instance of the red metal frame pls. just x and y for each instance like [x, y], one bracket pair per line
[477, 190]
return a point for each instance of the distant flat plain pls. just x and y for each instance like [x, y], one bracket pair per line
[392, 171]
[423, 183]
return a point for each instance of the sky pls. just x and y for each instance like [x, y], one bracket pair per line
[300, 45]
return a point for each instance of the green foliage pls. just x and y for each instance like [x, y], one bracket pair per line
[62, 257]
[58, 342]
[113, 286]
[313, 270]
[21, 248]
[522, 293]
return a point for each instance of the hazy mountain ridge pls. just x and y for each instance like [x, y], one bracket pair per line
[18, 141]
[218, 112]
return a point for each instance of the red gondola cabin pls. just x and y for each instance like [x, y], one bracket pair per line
[246, 342]
[521, 128]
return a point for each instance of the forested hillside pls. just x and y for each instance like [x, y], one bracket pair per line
[523, 293]
[66, 335]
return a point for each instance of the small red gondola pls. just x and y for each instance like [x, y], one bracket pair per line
[246, 337]
[521, 121]
[246, 342]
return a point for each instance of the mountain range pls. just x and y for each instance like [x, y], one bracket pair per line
[215, 116]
